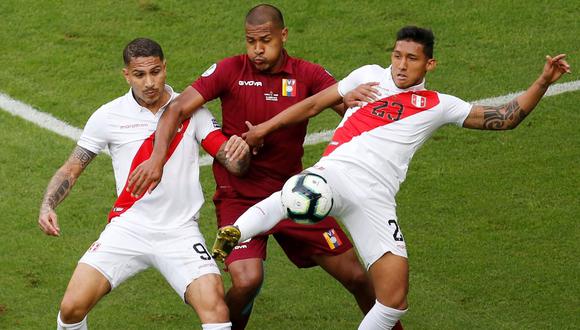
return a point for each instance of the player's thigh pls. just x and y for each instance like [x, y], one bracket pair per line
[85, 288]
[181, 256]
[302, 242]
[374, 229]
[120, 252]
[229, 207]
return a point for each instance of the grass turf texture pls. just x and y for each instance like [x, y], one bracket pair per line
[490, 218]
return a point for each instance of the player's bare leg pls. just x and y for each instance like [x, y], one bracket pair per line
[206, 295]
[247, 276]
[349, 272]
[85, 288]
[390, 276]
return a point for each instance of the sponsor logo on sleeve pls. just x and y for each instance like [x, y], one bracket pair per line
[95, 246]
[209, 70]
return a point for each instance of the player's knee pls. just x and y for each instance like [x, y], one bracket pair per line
[214, 312]
[247, 279]
[71, 310]
[358, 281]
[397, 299]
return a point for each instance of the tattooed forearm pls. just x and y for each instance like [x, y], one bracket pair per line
[502, 117]
[57, 190]
[64, 179]
[238, 167]
[83, 155]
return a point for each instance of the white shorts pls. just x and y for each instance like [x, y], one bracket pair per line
[124, 249]
[365, 212]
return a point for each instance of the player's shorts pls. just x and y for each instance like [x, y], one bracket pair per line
[364, 210]
[299, 242]
[125, 249]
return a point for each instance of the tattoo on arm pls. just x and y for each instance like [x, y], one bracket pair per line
[64, 179]
[83, 155]
[502, 117]
[57, 190]
[238, 167]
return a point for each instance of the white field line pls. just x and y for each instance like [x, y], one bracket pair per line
[45, 120]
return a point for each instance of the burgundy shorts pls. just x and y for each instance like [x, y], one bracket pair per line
[299, 242]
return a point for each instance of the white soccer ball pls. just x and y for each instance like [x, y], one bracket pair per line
[307, 198]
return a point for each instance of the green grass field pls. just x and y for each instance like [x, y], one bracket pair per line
[490, 219]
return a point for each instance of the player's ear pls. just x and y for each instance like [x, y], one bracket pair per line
[284, 34]
[126, 75]
[431, 64]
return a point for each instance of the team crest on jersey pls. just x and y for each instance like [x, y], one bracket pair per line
[209, 70]
[289, 87]
[419, 101]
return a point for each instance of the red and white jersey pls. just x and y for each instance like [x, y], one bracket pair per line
[128, 129]
[380, 138]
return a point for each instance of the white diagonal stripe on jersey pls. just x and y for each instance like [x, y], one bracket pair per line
[45, 120]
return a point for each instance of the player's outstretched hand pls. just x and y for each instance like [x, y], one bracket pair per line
[48, 221]
[366, 92]
[554, 68]
[146, 176]
[254, 137]
[236, 148]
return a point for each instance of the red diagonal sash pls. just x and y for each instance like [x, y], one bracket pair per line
[125, 201]
[380, 113]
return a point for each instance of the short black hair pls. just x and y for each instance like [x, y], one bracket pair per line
[142, 47]
[264, 13]
[419, 35]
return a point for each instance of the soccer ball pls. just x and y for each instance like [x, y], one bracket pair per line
[307, 198]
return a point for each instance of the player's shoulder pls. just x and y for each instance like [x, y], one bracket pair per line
[115, 105]
[370, 69]
[232, 61]
[448, 98]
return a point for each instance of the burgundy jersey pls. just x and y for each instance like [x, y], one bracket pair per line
[247, 94]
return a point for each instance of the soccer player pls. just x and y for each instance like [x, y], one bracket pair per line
[370, 151]
[157, 230]
[255, 87]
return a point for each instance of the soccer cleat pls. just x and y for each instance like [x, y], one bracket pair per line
[227, 238]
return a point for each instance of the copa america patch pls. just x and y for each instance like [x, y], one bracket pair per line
[209, 70]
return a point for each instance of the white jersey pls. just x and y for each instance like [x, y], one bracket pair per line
[380, 138]
[127, 129]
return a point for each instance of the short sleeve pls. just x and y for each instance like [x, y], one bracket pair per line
[321, 79]
[213, 82]
[456, 110]
[205, 123]
[355, 78]
[95, 135]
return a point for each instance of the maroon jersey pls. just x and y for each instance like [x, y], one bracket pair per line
[247, 94]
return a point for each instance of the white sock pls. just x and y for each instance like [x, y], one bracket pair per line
[217, 326]
[261, 217]
[381, 317]
[60, 325]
